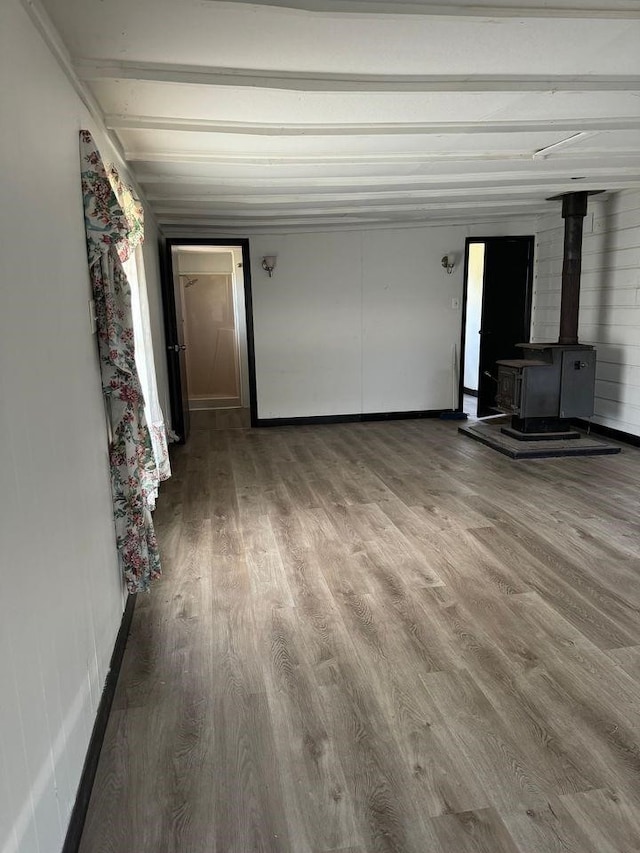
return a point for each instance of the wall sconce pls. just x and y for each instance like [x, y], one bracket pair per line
[448, 262]
[269, 264]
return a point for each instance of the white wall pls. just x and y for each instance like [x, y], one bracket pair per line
[359, 322]
[61, 595]
[609, 300]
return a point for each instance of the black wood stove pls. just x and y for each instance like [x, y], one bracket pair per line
[553, 382]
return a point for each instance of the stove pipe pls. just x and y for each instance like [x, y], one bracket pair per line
[574, 210]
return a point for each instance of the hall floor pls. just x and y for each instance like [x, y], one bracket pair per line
[380, 637]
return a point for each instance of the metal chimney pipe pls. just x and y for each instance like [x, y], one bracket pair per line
[574, 210]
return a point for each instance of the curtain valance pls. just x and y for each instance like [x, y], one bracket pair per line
[132, 210]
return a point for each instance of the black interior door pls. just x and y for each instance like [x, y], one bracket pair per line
[506, 309]
[174, 336]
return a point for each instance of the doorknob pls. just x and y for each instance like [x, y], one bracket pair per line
[176, 347]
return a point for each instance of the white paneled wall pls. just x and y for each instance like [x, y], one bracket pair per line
[360, 322]
[307, 325]
[61, 595]
[609, 300]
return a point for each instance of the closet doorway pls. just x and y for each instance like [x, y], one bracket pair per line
[207, 334]
[209, 291]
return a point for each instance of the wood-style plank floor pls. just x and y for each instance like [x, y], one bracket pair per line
[381, 637]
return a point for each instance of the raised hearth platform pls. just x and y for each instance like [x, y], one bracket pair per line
[540, 436]
[491, 433]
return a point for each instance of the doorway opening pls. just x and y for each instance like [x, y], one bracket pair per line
[496, 316]
[473, 317]
[215, 332]
[207, 290]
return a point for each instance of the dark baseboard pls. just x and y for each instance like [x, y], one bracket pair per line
[81, 805]
[350, 419]
[608, 432]
[470, 392]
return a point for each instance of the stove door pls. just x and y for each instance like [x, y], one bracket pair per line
[509, 390]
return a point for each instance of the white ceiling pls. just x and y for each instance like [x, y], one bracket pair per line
[239, 117]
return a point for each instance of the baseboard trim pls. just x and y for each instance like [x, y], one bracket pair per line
[83, 795]
[608, 432]
[350, 419]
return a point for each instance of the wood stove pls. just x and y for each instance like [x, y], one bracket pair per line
[550, 385]
[553, 382]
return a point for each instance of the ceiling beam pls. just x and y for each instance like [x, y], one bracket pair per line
[312, 159]
[349, 159]
[327, 210]
[318, 223]
[626, 9]
[90, 69]
[226, 230]
[141, 122]
[467, 181]
[346, 194]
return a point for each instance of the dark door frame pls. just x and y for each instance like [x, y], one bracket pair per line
[170, 318]
[529, 298]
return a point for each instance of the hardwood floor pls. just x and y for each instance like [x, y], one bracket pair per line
[234, 418]
[381, 637]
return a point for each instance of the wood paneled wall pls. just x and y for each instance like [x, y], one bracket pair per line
[609, 300]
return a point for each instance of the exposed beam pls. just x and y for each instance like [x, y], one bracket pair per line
[318, 222]
[225, 230]
[89, 69]
[140, 122]
[246, 226]
[228, 158]
[626, 9]
[234, 221]
[345, 192]
[213, 211]
[312, 159]
[538, 180]
[255, 202]
[399, 195]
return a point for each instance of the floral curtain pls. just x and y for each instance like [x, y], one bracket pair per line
[114, 226]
